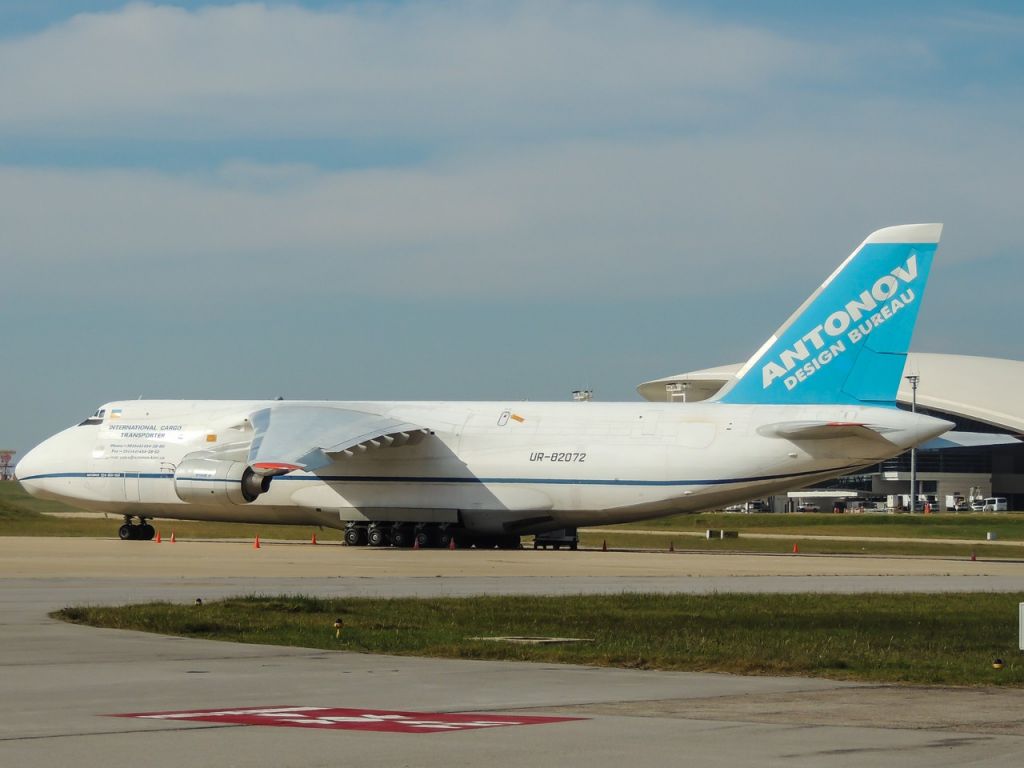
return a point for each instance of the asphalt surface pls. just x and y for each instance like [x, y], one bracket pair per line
[60, 684]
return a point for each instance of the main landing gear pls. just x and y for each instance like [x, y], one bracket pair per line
[132, 532]
[424, 535]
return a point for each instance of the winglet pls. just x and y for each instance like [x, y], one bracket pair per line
[847, 343]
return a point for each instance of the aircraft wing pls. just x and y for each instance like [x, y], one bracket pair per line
[293, 437]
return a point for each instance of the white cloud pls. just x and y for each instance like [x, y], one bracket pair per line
[581, 219]
[461, 69]
[666, 154]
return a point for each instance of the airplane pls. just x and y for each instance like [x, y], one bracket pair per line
[817, 400]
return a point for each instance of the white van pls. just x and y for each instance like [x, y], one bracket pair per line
[995, 504]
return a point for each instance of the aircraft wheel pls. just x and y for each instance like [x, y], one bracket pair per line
[402, 536]
[444, 539]
[424, 539]
[355, 536]
[126, 532]
[376, 537]
[146, 532]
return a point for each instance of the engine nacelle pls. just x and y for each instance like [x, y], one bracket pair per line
[210, 481]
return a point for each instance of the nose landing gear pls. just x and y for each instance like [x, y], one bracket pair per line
[132, 532]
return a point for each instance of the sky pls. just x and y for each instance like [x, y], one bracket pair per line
[479, 200]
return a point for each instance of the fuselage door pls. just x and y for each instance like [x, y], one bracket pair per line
[131, 487]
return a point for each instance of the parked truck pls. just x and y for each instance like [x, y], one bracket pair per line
[956, 502]
[563, 537]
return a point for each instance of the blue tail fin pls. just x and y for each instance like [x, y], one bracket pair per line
[848, 342]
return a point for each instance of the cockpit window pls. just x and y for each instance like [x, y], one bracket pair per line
[96, 418]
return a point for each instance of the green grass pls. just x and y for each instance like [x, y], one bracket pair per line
[15, 502]
[948, 639]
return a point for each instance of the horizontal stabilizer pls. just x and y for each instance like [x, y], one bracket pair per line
[968, 440]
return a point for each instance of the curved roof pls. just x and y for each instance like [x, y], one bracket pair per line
[987, 389]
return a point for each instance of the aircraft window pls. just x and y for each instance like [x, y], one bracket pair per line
[96, 418]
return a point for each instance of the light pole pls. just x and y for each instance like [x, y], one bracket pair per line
[913, 451]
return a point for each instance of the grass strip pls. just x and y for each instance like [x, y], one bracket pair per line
[948, 639]
[941, 525]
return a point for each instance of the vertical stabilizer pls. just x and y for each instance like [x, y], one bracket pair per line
[848, 342]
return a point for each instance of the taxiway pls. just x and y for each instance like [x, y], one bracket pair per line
[60, 684]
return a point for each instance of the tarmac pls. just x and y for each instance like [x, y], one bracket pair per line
[61, 684]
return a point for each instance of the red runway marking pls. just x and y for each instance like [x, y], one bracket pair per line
[350, 719]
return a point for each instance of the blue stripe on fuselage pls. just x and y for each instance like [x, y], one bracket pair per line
[456, 480]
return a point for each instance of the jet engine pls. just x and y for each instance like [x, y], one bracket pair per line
[203, 479]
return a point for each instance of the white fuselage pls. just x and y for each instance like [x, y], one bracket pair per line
[522, 467]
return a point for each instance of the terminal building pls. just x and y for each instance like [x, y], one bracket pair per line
[979, 394]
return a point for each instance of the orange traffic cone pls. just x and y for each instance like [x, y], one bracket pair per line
[157, 539]
[796, 548]
[313, 540]
[451, 543]
[416, 543]
[973, 557]
[172, 537]
[256, 544]
[604, 545]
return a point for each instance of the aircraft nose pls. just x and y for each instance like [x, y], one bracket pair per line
[29, 466]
